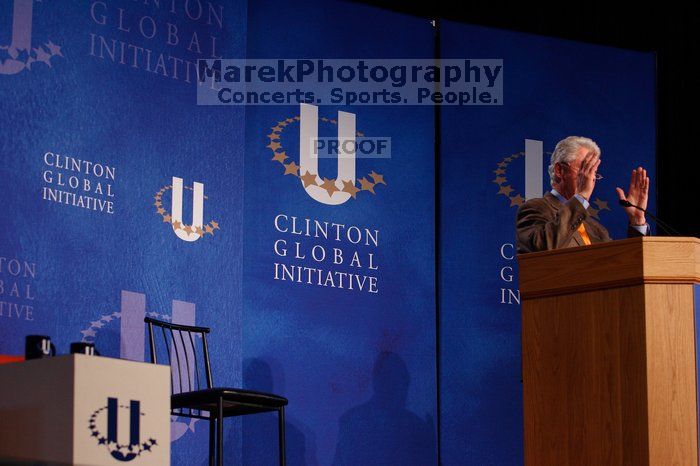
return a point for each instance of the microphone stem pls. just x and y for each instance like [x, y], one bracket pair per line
[666, 227]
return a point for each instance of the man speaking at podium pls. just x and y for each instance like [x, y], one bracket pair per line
[561, 219]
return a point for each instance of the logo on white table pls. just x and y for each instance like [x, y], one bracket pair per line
[104, 428]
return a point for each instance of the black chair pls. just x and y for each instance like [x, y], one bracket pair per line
[190, 398]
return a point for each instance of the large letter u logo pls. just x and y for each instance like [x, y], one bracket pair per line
[308, 161]
[134, 427]
[21, 36]
[188, 234]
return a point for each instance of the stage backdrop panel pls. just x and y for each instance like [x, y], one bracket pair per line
[358, 365]
[102, 141]
[122, 198]
[552, 89]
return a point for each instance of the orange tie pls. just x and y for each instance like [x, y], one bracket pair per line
[584, 234]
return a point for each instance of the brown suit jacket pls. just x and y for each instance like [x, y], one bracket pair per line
[546, 223]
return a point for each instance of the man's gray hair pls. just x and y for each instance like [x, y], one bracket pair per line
[566, 151]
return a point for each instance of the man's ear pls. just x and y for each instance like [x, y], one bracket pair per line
[557, 172]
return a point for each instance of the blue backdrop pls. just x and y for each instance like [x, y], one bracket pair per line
[358, 366]
[107, 83]
[100, 125]
[552, 89]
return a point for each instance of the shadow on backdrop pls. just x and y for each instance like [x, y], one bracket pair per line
[259, 431]
[382, 431]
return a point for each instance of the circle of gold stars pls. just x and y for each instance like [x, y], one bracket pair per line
[309, 179]
[167, 217]
[90, 333]
[18, 59]
[123, 451]
[516, 199]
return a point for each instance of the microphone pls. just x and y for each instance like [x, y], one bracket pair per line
[665, 226]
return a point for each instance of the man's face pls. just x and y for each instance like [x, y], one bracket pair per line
[568, 173]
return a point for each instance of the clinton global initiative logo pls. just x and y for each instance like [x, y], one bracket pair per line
[512, 172]
[329, 189]
[104, 427]
[17, 288]
[160, 37]
[24, 52]
[532, 159]
[186, 232]
[127, 323]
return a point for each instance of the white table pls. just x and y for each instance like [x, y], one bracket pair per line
[82, 410]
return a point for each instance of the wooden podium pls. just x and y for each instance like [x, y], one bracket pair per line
[609, 360]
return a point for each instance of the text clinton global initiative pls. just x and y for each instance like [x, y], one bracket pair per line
[327, 254]
[78, 183]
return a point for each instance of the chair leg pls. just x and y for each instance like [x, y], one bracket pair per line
[212, 439]
[220, 433]
[280, 420]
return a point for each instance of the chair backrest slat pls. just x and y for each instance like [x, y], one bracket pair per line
[187, 362]
[177, 360]
[152, 344]
[194, 357]
[210, 382]
[166, 344]
[181, 349]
